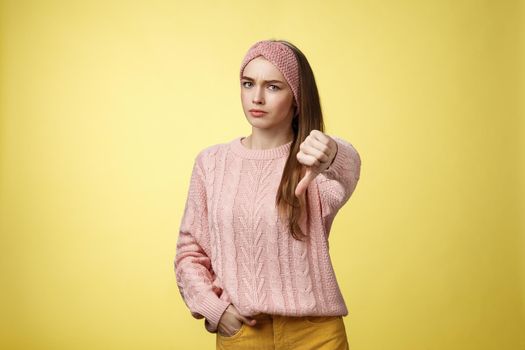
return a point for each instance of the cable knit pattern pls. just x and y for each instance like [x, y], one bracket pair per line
[233, 248]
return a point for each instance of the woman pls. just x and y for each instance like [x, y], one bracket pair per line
[252, 253]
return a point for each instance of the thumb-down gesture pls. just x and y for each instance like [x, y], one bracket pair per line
[317, 153]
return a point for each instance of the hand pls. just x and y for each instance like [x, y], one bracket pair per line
[231, 321]
[317, 153]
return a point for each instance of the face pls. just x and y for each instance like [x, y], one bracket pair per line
[263, 87]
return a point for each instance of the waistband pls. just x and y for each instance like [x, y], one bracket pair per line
[263, 316]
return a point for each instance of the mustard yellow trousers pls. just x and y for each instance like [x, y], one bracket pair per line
[277, 332]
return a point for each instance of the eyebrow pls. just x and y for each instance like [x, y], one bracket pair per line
[264, 81]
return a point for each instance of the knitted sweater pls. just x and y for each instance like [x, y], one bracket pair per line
[233, 248]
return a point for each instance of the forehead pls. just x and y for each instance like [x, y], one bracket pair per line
[261, 68]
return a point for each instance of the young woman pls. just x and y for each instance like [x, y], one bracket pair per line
[252, 253]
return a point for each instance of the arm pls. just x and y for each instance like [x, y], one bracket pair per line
[192, 265]
[337, 183]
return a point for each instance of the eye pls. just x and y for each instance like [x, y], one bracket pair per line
[245, 82]
[276, 87]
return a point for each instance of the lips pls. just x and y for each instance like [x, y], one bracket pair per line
[257, 112]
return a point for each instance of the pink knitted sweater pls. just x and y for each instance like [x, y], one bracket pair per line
[233, 248]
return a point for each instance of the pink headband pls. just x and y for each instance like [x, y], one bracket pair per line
[282, 56]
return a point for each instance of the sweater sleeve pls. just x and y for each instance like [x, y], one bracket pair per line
[193, 270]
[337, 183]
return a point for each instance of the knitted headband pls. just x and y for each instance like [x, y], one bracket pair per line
[282, 56]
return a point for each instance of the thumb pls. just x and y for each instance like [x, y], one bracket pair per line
[247, 320]
[305, 181]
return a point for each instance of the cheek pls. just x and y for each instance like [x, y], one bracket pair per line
[282, 104]
[244, 99]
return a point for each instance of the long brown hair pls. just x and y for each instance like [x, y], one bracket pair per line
[310, 117]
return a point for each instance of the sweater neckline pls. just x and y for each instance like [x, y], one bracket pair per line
[268, 153]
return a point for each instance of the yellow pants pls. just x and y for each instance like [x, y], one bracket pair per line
[278, 332]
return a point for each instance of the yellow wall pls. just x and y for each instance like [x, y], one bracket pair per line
[520, 77]
[104, 104]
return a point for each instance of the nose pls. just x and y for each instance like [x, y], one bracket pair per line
[258, 97]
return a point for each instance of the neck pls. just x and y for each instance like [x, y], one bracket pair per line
[266, 141]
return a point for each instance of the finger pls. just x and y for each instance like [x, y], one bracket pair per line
[307, 159]
[247, 320]
[226, 329]
[329, 146]
[242, 318]
[326, 148]
[305, 181]
[318, 151]
[320, 136]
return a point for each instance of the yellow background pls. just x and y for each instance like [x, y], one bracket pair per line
[104, 105]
